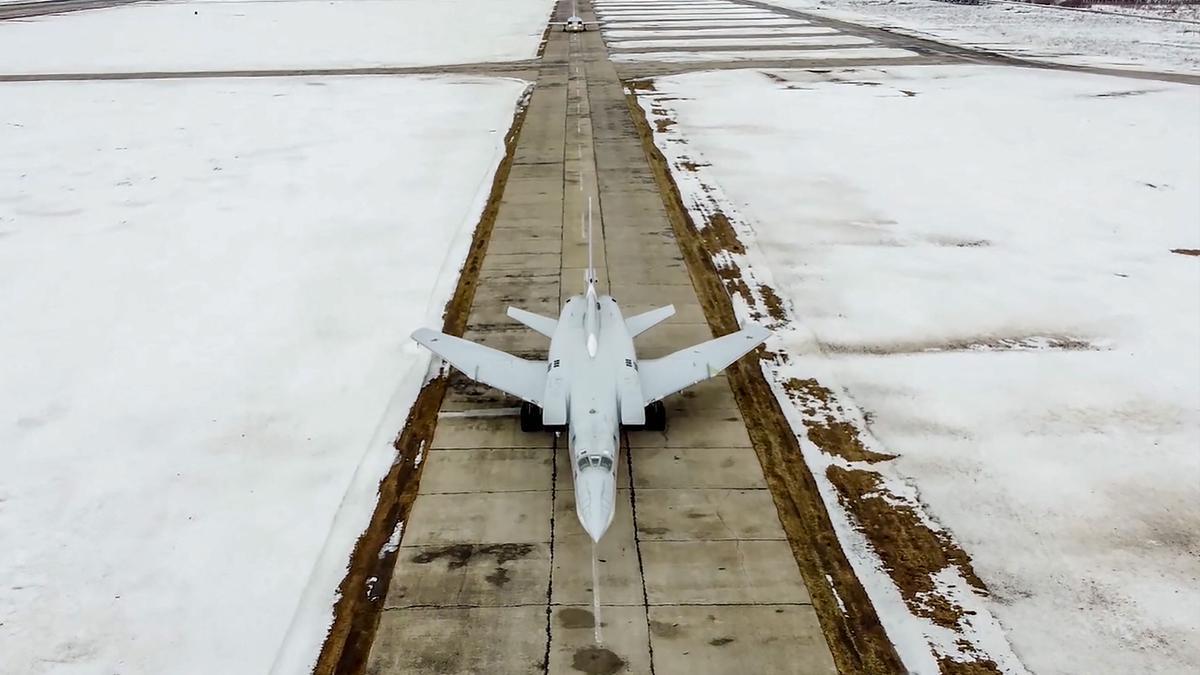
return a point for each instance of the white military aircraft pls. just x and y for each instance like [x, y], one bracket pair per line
[574, 24]
[592, 384]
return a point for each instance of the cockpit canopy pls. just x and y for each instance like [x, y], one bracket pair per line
[603, 461]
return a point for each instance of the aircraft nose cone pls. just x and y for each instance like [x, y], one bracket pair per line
[595, 496]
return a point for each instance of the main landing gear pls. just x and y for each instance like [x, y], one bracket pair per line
[531, 417]
[656, 417]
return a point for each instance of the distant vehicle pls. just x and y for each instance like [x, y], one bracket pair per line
[592, 384]
[574, 24]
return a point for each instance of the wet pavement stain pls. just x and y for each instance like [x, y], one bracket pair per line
[571, 617]
[597, 661]
[459, 555]
[720, 642]
[499, 577]
[663, 629]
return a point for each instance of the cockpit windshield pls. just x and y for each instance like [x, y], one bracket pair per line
[603, 461]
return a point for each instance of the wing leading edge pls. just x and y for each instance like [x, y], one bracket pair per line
[663, 377]
[522, 378]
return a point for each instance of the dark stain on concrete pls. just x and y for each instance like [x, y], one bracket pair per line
[499, 577]
[571, 617]
[459, 555]
[653, 530]
[597, 661]
[721, 641]
[663, 629]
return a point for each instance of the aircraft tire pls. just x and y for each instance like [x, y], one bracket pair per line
[656, 417]
[531, 417]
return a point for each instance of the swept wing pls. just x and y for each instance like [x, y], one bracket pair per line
[663, 377]
[522, 378]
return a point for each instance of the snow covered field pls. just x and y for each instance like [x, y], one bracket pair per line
[615, 36]
[689, 40]
[704, 23]
[1027, 31]
[257, 34]
[207, 288]
[978, 261]
[763, 54]
[734, 43]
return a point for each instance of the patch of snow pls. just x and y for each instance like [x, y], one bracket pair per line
[734, 43]
[701, 32]
[1040, 203]
[658, 16]
[1026, 31]
[833, 587]
[393, 542]
[678, 10]
[765, 55]
[1177, 11]
[207, 289]
[293, 34]
[705, 23]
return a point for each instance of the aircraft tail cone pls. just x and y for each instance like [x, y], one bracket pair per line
[595, 496]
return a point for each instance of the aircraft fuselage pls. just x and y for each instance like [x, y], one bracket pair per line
[592, 342]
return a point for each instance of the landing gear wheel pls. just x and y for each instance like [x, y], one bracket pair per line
[656, 417]
[531, 417]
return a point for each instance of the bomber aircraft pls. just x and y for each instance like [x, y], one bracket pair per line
[574, 24]
[592, 383]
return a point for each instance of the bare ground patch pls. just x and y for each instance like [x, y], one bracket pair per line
[825, 421]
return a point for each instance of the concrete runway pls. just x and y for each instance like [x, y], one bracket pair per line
[494, 572]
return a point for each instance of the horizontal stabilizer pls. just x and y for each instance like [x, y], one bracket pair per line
[522, 378]
[645, 321]
[542, 324]
[663, 377]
